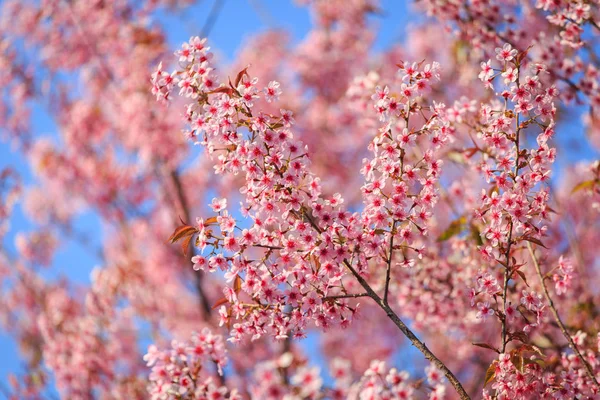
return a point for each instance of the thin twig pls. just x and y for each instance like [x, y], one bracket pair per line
[204, 303]
[507, 269]
[389, 265]
[346, 296]
[562, 327]
[264, 246]
[202, 297]
[507, 274]
[594, 24]
[571, 232]
[462, 393]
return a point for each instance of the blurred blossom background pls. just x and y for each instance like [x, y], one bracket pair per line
[86, 223]
[232, 23]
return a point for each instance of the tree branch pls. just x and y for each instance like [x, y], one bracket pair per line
[409, 334]
[562, 327]
[505, 287]
[346, 296]
[389, 265]
[462, 393]
[204, 303]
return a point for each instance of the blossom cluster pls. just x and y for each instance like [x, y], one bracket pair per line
[181, 371]
[515, 208]
[294, 260]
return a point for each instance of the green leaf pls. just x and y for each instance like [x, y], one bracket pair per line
[476, 235]
[453, 229]
[490, 374]
[456, 157]
[584, 185]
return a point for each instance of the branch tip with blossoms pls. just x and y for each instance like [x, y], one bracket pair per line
[301, 245]
[588, 368]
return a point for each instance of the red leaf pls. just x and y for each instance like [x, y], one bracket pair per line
[181, 232]
[486, 346]
[522, 275]
[534, 240]
[222, 89]
[240, 75]
[237, 284]
[220, 302]
[185, 245]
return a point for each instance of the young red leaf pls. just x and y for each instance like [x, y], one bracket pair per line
[237, 284]
[181, 232]
[220, 302]
[211, 220]
[222, 89]
[534, 240]
[240, 75]
[185, 245]
[522, 275]
[486, 346]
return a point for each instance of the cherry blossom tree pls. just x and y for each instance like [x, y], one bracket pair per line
[354, 224]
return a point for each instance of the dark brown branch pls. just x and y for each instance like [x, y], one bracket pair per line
[346, 296]
[507, 269]
[594, 24]
[204, 303]
[409, 334]
[264, 246]
[507, 274]
[389, 265]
